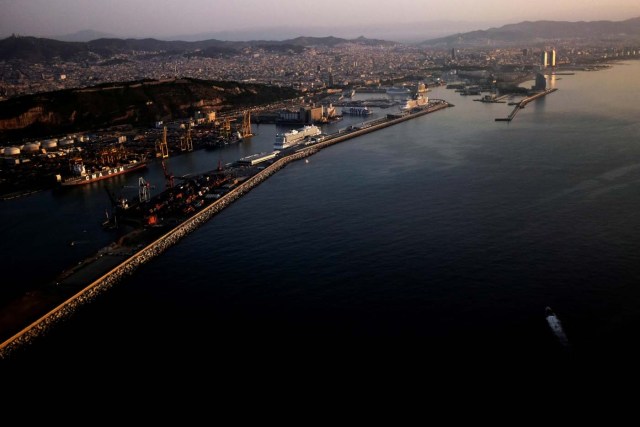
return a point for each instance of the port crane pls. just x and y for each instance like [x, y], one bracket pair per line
[112, 221]
[144, 193]
[186, 143]
[245, 128]
[167, 175]
[225, 129]
[110, 155]
[162, 148]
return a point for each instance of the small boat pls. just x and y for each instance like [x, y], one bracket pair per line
[556, 326]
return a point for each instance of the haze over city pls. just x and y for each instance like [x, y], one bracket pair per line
[246, 19]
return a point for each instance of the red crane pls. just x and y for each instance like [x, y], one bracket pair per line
[167, 175]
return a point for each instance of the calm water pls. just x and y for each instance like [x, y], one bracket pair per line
[447, 233]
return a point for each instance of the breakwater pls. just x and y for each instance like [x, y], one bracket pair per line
[520, 105]
[162, 243]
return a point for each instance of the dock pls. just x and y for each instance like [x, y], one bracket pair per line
[32, 315]
[520, 105]
[496, 100]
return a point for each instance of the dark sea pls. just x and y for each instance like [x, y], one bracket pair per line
[444, 235]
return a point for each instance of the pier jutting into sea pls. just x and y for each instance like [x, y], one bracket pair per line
[520, 105]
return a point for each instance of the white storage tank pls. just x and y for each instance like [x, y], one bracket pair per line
[31, 147]
[11, 151]
[49, 143]
[65, 142]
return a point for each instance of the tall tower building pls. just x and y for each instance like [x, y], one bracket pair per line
[552, 59]
[453, 53]
[541, 82]
[544, 59]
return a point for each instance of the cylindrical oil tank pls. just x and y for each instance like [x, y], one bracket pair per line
[65, 142]
[49, 143]
[11, 151]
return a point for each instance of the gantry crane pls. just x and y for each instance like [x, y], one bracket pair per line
[186, 143]
[162, 149]
[144, 193]
[167, 175]
[245, 129]
[225, 129]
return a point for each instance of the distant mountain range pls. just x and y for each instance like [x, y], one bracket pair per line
[543, 31]
[44, 50]
[35, 49]
[84, 36]
[407, 32]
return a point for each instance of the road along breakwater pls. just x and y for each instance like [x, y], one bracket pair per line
[129, 264]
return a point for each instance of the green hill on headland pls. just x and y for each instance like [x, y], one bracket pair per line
[137, 103]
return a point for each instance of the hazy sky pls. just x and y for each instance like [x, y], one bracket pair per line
[139, 18]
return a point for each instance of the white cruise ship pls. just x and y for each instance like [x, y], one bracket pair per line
[293, 137]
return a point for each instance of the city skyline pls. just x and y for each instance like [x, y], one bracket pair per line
[246, 18]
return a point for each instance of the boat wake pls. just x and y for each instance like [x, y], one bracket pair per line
[556, 327]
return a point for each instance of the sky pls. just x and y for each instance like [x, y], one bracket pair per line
[167, 18]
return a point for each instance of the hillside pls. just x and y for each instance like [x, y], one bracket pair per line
[140, 103]
[34, 49]
[595, 32]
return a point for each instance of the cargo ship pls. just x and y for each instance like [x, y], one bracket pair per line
[295, 136]
[81, 176]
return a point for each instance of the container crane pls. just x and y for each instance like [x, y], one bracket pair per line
[186, 143]
[245, 129]
[162, 148]
[167, 175]
[144, 193]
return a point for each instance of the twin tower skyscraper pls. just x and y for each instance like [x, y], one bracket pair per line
[548, 58]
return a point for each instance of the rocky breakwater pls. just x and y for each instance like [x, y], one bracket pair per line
[127, 267]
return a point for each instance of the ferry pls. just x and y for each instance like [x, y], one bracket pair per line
[398, 90]
[295, 136]
[356, 111]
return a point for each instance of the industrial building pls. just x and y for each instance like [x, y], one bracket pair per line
[254, 159]
[305, 115]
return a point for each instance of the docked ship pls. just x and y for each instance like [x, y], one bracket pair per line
[398, 90]
[295, 136]
[356, 111]
[416, 101]
[80, 175]
[349, 93]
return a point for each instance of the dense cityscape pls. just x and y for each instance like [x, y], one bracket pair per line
[313, 69]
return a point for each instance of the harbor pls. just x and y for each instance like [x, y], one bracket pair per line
[38, 310]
